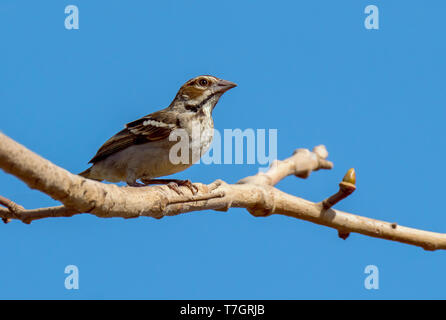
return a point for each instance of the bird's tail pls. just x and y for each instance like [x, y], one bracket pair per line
[87, 174]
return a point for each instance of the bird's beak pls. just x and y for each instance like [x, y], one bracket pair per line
[224, 85]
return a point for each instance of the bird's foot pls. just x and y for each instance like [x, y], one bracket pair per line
[135, 184]
[188, 184]
[173, 184]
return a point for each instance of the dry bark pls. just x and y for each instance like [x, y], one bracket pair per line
[255, 193]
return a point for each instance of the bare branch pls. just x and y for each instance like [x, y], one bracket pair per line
[256, 193]
[27, 216]
[13, 208]
[301, 164]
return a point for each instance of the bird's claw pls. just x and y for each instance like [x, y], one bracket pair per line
[186, 183]
[173, 184]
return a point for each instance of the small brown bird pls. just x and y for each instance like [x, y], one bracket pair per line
[142, 149]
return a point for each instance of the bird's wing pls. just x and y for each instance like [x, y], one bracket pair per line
[153, 127]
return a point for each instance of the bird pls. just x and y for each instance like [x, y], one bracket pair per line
[141, 151]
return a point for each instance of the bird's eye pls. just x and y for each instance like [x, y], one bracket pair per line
[203, 82]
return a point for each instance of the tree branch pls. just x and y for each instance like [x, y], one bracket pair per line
[255, 193]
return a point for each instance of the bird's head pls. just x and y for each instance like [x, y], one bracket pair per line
[200, 93]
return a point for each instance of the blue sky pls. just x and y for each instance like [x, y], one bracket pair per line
[310, 69]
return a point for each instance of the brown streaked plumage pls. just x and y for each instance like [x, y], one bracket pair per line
[141, 149]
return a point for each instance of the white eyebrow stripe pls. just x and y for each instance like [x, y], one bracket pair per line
[157, 124]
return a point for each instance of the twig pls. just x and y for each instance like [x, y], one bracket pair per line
[13, 207]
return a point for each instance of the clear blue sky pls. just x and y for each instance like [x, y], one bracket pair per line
[375, 98]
